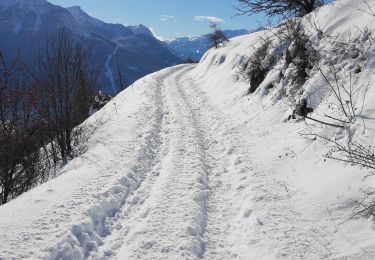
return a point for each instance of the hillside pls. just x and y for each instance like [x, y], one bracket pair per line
[25, 24]
[201, 162]
[196, 47]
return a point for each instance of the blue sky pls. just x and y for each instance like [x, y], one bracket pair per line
[168, 18]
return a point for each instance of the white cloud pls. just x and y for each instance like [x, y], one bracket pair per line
[211, 19]
[166, 18]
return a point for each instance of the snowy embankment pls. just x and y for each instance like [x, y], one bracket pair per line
[190, 167]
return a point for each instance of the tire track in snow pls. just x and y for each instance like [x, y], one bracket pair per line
[235, 229]
[221, 161]
[231, 172]
[88, 239]
[176, 215]
[215, 134]
[202, 160]
[248, 207]
[136, 207]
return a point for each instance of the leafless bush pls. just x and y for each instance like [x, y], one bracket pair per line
[304, 56]
[41, 112]
[347, 106]
[256, 67]
[290, 44]
[353, 153]
[283, 8]
[300, 52]
[21, 164]
[66, 78]
[217, 36]
[364, 207]
[349, 99]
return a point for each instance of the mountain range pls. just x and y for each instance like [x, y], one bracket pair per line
[195, 47]
[25, 24]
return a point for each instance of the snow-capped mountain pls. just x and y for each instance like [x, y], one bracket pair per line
[140, 29]
[95, 26]
[195, 47]
[25, 23]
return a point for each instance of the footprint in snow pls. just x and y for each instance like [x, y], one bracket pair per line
[248, 213]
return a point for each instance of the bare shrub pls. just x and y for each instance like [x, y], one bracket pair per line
[42, 112]
[290, 42]
[66, 79]
[349, 98]
[284, 8]
[299, 53]
[353, 153]
[256, 67]
[21, 159]
[217, 36]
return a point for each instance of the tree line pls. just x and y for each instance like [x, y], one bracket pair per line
[41, 111]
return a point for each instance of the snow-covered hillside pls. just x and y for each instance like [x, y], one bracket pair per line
[186, 165]
[25, 23]
[196, 47]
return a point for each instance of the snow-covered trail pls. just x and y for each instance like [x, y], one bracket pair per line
[189, 210]
[186, 202]
[209, 199]
[244, 210]
[170, 177]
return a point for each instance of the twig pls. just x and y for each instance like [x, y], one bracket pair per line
[325, 123]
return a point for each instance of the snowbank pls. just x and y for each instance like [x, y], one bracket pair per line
[323, 192]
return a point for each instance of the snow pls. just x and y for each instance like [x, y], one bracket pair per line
[141, 29]
[190, 167]
[83, 17]
[109, 71]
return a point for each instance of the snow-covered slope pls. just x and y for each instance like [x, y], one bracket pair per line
[185, 165]
[141, 29]
[195, 47]
[25, 23]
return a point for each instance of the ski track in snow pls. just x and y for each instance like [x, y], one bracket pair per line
[177, 197]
